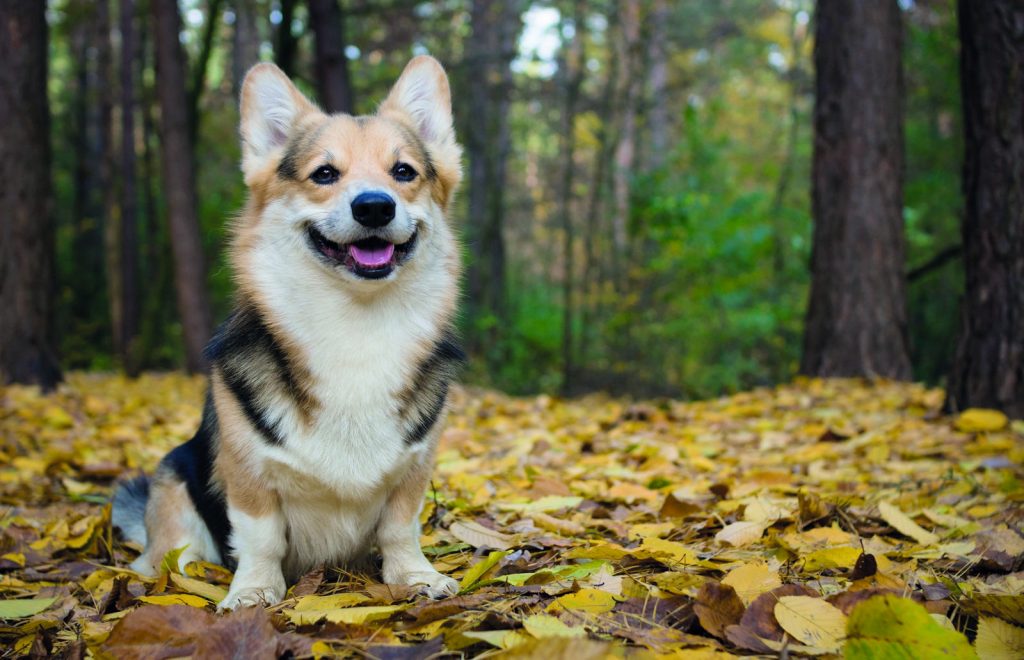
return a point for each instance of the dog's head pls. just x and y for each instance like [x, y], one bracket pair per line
[362, 199]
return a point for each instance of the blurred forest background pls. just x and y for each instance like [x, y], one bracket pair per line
[637, 207]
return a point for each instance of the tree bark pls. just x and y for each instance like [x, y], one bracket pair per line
[27, 291]
[332, 77]
[245, 47]
[198, 85]
[179, 184]
[495, 26]
[129, 200]
[857, 319]
[286, 45]
[573, 76]
[988, 368]
[628, 51]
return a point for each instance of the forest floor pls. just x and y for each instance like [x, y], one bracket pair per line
[817, 518]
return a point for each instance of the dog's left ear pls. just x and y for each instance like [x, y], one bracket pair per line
[271, 107]
[422, 94]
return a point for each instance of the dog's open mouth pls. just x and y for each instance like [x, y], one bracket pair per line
[370, 258]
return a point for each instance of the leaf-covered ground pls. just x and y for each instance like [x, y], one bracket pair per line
[820, 518]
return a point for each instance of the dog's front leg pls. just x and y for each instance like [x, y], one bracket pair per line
[398, 535]
[260, 544]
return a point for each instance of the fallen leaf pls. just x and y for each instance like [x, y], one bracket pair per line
[590, 601]
[742, 533]
[998, 640]
[893, 627]
[751, 580]
[979, 420]
[717, 606]
[19, 608]
[902, 523]
[479, 536]
[812, 621]
[174, 599]
[545, 625]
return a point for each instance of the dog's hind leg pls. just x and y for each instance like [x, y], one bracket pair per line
[172, 522]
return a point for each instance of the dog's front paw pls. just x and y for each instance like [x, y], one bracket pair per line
[430, 583]
[250, 596]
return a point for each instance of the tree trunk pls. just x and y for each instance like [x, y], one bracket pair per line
[89, 312]
[195, 89]
[286, 44]
[179, 184]
[245, 47]
[129, 204]
[573, 73]
[332, 77]
[659, 106]
[628, 52]
[495, 26]
[988, 369]
[857, 318]
[27, 292]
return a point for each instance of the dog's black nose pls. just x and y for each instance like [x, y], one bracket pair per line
[373, 209]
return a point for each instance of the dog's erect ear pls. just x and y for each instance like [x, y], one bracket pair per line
[271, 105]
[423, 95]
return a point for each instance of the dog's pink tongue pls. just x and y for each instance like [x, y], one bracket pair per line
[372, 257]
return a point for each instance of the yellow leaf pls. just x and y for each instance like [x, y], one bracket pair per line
[337, 601]
[479, 536]
[628, 492]
[681, 584]
[812, 621]
[545, 625]
[15, 557]
[643, 530]
[351, 615]
[667, 552]
[739, 534]
[751, 580]
[998, 640]
[591, 601]
[175, 599]
[904, 525]
[502, 639]
[478, 570]
[980, 420]
[842, 557]
[544, 505]
[210, 592]
[601, 550]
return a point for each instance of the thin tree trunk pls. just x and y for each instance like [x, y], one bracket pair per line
[332, 77]
[988, 369]
[198, 85]
[573, 63]
[625, 148]
[27, 291]
[286, 45]
[591, 286]
[857, 318]
[245, 47]
[495, 27]
[129, 204]
[658, 114]
[88, 309]
[179, 185]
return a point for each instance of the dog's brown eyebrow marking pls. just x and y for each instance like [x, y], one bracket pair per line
[289, 166]
[420, 149]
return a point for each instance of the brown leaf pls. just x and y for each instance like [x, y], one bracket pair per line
[433, 610]
[308, 583]
[759, 618]
[716, 607]
[177, 630]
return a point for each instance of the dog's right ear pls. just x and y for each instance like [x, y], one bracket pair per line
[271, 105]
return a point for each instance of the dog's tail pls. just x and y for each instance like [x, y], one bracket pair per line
[129, 510]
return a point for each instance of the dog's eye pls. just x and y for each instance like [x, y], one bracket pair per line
[403, 172]
[324, 175]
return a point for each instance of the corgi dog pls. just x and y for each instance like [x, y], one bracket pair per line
[329, 382]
